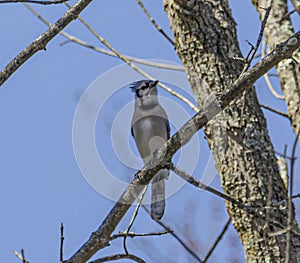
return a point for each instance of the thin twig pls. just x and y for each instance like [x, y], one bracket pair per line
[266, 76]
[133, 66]
[290, 208]
[284, 155]
[118, 257]
[296, 5]
[189, 250]
[62, 238]
[254, 49]
[133, 218]
[159, 29]
[295, 196]
[102, 50]
[225, 228]
[33, 2]
[132, 234]
[202, 186]
[251, 55]
[275, 111]
[21, 256]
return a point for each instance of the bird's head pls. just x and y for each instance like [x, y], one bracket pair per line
[145, 93]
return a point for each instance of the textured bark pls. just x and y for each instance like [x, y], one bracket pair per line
[276, 31]
[206, 42]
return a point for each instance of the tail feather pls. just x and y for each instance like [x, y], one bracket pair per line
[158, 202]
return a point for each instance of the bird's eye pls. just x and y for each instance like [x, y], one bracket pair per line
[139, 93]
[145, 86]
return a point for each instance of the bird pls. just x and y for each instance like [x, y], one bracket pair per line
[150, 129]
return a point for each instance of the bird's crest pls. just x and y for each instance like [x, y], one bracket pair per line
[137, 84]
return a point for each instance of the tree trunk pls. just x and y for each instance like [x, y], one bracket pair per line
[206, 42]
[278, 29]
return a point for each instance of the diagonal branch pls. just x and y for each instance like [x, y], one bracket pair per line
[100, 238]
[41, 42]
[225, 228]
[33, 2]
[159, 29]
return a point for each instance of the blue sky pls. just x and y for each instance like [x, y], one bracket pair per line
[42, 184]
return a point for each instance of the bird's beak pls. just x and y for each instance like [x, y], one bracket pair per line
[153, 83]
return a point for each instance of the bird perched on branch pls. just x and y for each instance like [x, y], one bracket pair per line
[150, 129]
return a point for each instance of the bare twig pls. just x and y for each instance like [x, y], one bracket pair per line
[132, 234]
[118, 257]
[53, 2]
[202, 186]
[296, 5]
[159, 29]
[253, 50]
[133, 218]
[100, 238]
[41, 42]
[275, 111]
[21, 256]
[284, 155]
[225, 228]
[266, 76]
[62, 238]
[102, 50]
[252, 54]
[133, 66]
[290, 208]
[295, 196]
[189, 250]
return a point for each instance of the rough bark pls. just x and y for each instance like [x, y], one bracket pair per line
[277, 30]
[206, 42]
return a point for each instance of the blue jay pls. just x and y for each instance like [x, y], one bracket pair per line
[150, 129]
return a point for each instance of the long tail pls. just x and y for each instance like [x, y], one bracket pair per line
[158, 201]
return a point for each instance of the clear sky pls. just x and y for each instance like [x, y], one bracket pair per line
[42, 183]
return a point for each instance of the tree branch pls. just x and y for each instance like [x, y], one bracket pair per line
[41, 42]
[118, 257]
[100, 238]
[33, 2]
[225, 228]
[159, 29]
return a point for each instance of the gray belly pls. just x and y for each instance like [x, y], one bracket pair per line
[150, 133]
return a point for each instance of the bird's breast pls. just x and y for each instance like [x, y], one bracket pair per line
[150, 133]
